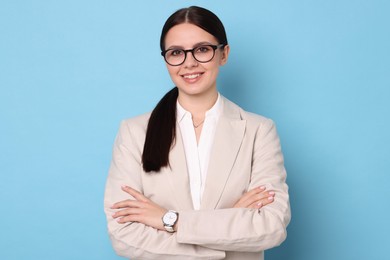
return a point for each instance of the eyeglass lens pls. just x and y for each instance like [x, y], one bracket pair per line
[203, 53]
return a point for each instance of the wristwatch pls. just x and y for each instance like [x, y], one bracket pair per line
[169, 219]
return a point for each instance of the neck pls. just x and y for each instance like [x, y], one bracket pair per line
[198, 105]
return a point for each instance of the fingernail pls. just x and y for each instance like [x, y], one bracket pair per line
[123, 186]
[271, 193]
[270, 198]
[260, 204]
[262, 187]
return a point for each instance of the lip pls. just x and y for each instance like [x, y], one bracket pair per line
[192, 77]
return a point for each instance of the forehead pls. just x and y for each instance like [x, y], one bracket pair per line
[187, 35]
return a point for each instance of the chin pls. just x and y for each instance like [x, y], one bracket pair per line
[194, 90]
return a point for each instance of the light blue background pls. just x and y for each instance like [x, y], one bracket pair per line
[71, 70]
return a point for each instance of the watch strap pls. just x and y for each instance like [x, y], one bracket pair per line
[169, 229]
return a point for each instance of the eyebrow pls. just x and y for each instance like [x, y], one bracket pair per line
[194, 46]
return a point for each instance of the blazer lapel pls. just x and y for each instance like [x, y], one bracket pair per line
[227, 142]
[178, 174]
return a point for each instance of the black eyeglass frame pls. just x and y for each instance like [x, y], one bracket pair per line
[214, 47]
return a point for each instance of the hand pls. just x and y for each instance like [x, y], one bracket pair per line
[255, 198]
[141, 210]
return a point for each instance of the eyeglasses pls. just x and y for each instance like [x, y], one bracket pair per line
[202, 53]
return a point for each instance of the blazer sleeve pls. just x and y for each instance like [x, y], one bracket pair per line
[135, 240]
[248, 230]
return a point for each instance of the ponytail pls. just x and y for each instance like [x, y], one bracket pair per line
[160, 133]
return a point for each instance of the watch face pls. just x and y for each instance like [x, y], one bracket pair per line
[170, 218]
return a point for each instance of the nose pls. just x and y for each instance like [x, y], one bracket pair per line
[190, 61]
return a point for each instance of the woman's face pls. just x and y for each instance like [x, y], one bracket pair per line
[192, 77]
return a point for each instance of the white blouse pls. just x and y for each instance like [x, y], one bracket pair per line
[198, 155]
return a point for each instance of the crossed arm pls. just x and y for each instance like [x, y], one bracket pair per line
[134, 220]
[145, 211]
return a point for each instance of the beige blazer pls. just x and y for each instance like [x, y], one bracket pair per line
[246, 153]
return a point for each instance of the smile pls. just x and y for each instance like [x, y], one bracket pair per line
[191, 76]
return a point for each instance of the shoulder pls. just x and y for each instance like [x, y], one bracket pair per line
[257, 126]
[136, 125]
[138, 120]
[253, 119]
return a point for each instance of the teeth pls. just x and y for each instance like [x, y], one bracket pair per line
[191, 76]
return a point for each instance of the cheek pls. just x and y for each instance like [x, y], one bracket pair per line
[213, 68]
[173, 71]
[173, 74]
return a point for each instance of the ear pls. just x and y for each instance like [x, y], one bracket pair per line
[225, 55]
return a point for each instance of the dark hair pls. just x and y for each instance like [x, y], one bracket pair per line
[198, 16]
[161, 130]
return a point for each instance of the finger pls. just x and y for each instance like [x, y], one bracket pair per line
[126, 212]
[258, 197]
[266, 197]
[129, 218]
[255, 205]
[244, 199]
[264, 201]
[254, 191]
[127, 204]
[260, 200]
[136, 194]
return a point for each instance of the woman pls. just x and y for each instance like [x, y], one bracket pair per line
[198, 178]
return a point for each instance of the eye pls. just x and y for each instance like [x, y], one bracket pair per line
[203, 49]
[176, 52]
